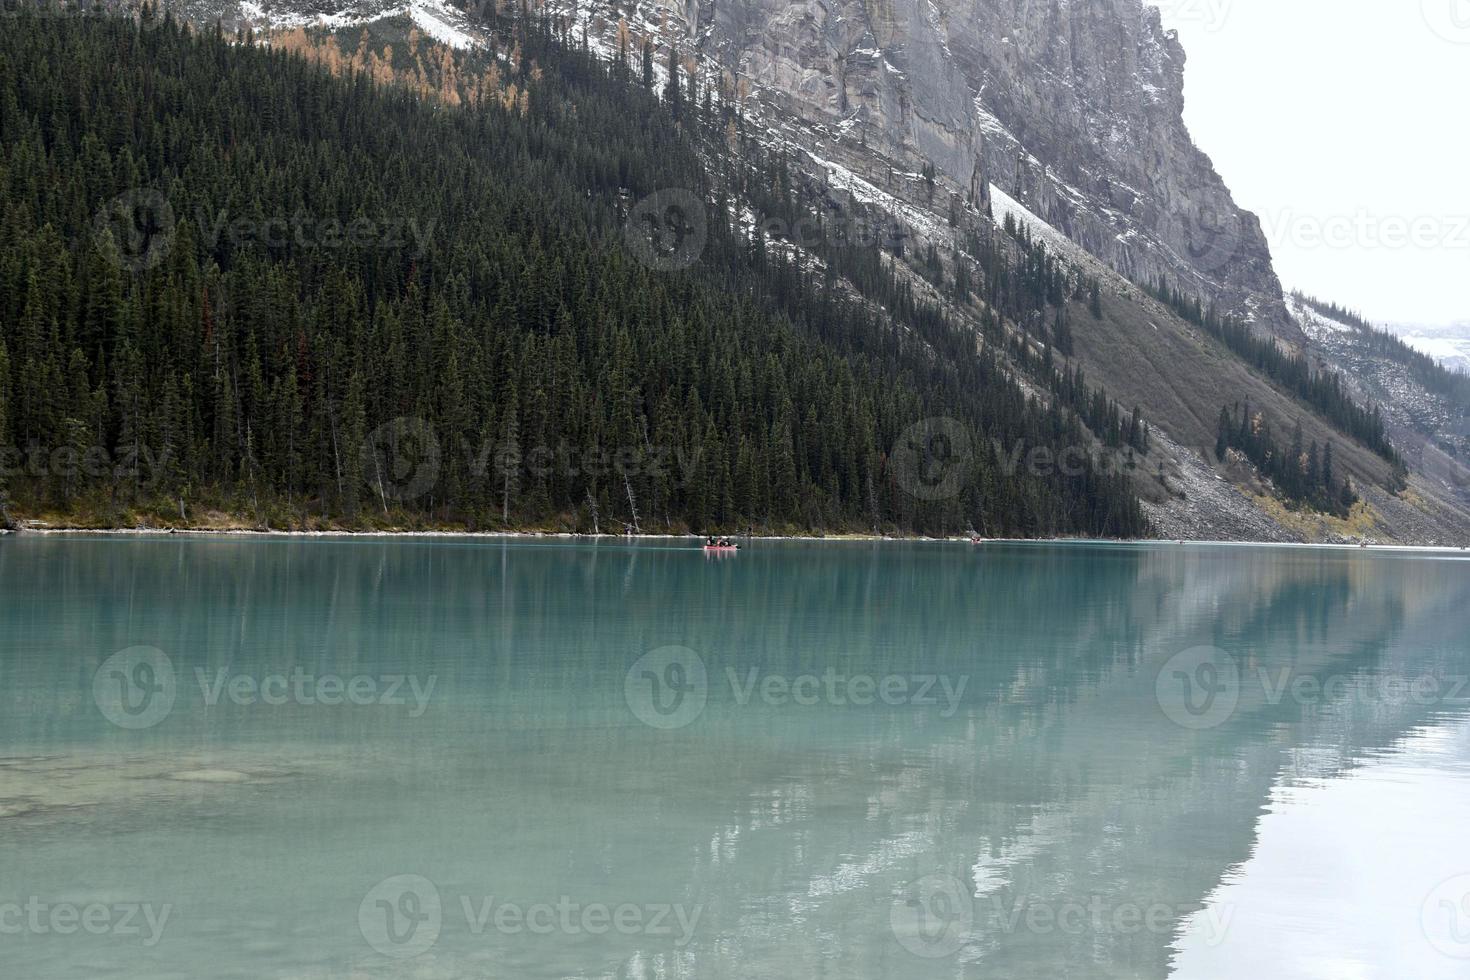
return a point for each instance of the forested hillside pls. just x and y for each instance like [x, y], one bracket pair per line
[1433, 375]
[318, 274]
[1322, 390]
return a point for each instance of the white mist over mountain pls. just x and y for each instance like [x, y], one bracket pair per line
[1450, 344]
[1336, 122]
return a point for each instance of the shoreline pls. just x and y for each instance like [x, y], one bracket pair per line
[513, 535]
[156, 532]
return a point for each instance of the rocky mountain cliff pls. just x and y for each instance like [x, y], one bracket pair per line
[1062, 117]
[1073, 107]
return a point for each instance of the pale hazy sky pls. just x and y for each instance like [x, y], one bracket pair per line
[1345, 125]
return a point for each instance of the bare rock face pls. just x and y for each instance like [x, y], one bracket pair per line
[1073, 107]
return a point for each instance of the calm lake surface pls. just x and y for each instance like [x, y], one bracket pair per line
[453, 758]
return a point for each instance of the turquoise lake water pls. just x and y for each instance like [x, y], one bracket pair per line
[452, 758]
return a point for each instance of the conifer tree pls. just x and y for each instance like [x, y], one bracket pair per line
[673, 94]
[4, 397]
[522, 322]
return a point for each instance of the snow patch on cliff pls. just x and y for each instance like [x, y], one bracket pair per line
[918, 220]
[434, 19]
[1002, 204]
[1316, 325]
[260, 18]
